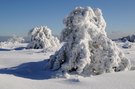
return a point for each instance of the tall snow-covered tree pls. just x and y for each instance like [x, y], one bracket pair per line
[87, 49]
[41, 37]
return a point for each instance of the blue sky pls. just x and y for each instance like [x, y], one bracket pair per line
[19, 16]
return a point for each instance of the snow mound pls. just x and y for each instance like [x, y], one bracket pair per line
[87, 49]
[41, 37]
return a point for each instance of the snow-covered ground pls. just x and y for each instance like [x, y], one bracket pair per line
[25, 69]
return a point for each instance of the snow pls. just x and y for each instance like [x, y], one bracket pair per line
[16, 57]
[113, 81]
[127, 45]
[129, 52]
[26, 61]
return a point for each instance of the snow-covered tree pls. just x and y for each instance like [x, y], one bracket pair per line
[87, 49]
[130, 38]
[12, 42]
[16, 39]
[41, 37]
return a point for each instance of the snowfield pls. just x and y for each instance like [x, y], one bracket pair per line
[122, 80]
[21, 69]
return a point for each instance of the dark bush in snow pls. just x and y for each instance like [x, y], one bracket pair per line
[87, 49]
[41, 37]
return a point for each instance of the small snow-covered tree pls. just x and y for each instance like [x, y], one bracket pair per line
[41, 37]
[87, 49]
[12, 42]
[16, 39]
[130, 38]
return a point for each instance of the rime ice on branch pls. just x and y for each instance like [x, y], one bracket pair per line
[87, 49]
[41, 37]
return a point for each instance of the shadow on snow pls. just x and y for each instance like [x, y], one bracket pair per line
[19, 48]
[31, 70]
[2, 49]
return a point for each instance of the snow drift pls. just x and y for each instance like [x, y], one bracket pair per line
[41, 37]
[87, 49]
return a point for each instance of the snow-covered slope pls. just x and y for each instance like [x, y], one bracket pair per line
[26, 73]
[16, 57]
[122, 80]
